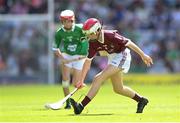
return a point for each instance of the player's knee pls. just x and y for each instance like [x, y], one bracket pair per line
[65, 84]
[118, 90]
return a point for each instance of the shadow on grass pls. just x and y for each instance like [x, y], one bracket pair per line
[101, 114]
[44, 109]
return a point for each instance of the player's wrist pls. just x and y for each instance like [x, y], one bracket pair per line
[143, 55]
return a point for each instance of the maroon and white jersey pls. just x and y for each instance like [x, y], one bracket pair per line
[112, 42]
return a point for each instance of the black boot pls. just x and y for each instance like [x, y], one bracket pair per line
[78, 108]
[141, 104]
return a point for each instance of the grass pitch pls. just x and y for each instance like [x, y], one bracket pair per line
[25, 103]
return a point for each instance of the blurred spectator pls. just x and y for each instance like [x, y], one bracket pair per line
[19, 7]
[4, 8]
[23, 49]
[162, 54]
[23, 6]
[2, 63]
[38, 6]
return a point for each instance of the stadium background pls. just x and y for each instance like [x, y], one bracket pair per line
[25, 46]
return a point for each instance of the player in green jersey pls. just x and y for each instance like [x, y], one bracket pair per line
[71, 47]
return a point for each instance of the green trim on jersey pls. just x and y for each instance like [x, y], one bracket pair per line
[71, 42]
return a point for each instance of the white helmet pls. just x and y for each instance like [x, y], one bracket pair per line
[91, 26]
[67, 15]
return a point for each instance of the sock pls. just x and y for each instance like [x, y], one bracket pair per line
[137, 97]
[85, 101]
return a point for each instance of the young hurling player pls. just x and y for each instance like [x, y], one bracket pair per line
[119, 60]
[70, 44]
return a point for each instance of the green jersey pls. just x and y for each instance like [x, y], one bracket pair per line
[72, 42]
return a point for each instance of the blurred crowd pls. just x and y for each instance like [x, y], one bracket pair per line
[152, 24]
[23, 6]
[23, 49]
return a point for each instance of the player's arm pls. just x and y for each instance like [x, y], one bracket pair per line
[58, 53]
[84, 72]
[147, 59]
[86, 66]
[85, 69]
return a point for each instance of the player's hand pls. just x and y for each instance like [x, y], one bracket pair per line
[57, 53]
[147, 60]
[80, 85]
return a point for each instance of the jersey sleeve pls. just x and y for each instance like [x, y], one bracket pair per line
[57, 41]
[91, 51]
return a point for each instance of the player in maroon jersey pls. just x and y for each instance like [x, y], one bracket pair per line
[119, 59]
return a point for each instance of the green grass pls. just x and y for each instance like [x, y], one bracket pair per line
[26, 103]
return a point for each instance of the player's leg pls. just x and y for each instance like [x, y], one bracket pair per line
[76, 72]
[66, 71]
[100, 78]
[122, 61]
[118, 87]
[96, 84]
[77, 67]
[75, 76]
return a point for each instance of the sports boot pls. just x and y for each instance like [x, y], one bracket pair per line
[141, 104]
[78, 108]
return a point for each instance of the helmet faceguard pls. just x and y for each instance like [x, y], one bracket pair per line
[67, 15]
[91, 25]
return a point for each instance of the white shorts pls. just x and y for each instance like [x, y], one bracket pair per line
[121, 60]
[76, 64]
